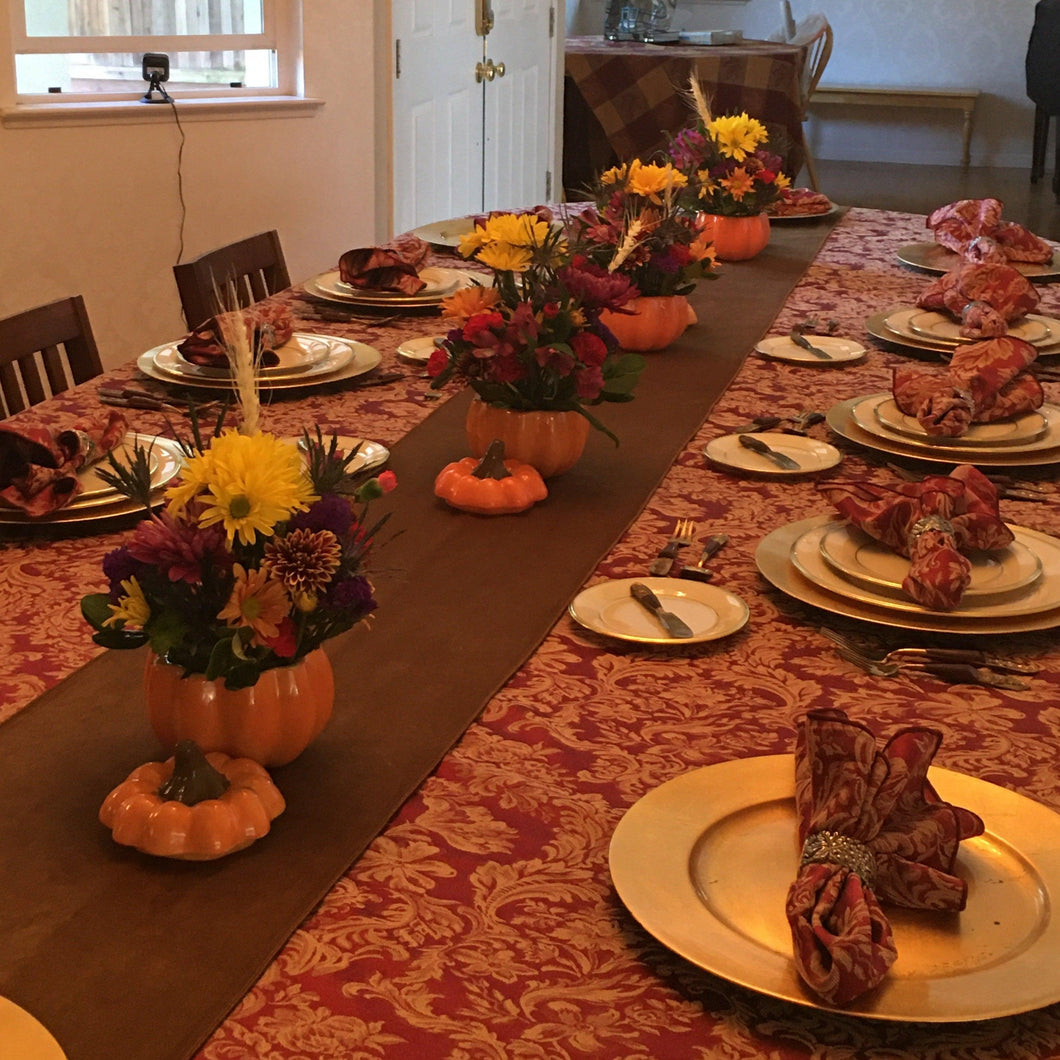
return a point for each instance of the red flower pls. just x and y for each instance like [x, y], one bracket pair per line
[387, 481]
[767, 176]
[438, 360]
[284, 643]
[589, 348]
[590, 381]
[507, 369]
[478, 329]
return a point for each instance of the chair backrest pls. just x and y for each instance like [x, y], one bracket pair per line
[814, 33]
[254, 267]
[1043, 49]
[44, 351]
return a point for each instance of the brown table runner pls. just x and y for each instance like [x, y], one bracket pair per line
[121, 955]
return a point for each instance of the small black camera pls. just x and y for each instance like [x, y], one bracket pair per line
[155, 70]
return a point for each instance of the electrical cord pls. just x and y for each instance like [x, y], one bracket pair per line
[180, 171]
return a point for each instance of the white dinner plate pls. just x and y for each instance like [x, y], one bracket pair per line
[326, 354]
[353, 358]
[704, 863]
[299, 354]
[418, 350]
[773, 559]
[1040, 596]
[24, 1037]
[609, 608]
[369, 454]
[941, 329]
[781, 348]
[328, 286]
[810, 454]
[105, 502]
[1019, 430]
[863, 412]
[935, 258]
[446, 233]
[861, 559]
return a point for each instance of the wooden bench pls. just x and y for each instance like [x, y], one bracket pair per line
[962, 99]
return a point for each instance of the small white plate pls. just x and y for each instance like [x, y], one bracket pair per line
[418, 351]
[810, 454]
[446, 233]
[1018, 430]
[608, 608]
[781, 348]
[369, 454]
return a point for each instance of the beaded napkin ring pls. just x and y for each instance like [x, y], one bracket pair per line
[834, 848]
[931, 522]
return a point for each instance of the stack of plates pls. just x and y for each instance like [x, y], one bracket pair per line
[439, 282]
[97, 500]
[306, 360]
[927, 331]
[840, 569]
[935, 258]
[1029, 440]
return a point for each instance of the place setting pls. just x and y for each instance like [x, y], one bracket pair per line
[930, 331]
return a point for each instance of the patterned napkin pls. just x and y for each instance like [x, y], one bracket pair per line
[872, 829]
[38, 467]
[984, 382]
[393, 266]
[974, 229]
[933, 522]
[267, 328]
[985, 298]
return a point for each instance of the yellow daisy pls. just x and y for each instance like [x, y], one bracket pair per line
[737, 135]
[465, 303]
[132, 608]
[505, 257]
[652, 181]
[738, 183]
[258, 602]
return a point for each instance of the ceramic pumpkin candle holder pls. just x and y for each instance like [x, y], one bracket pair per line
[492, 485]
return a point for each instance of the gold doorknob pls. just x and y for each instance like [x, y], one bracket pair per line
[500, 69]
[485, 71]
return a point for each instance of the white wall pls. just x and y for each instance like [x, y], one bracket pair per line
[965, 43]
[94, 210]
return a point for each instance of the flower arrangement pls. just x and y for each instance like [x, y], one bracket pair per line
[726, 162]
[643, 226]
[533, 341]
[256, 560]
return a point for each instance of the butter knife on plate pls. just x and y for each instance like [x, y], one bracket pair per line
[756, 445]
[673, 625]
[800, 339]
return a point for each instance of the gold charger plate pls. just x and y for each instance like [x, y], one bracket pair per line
[940, 329]
[1017, 430]
[933, 257]
[24, 1037]
[704, 862]
[773, 559]
[327, 286]
[840, 419]
[167, 462]
[877, 328]
[1042, 594]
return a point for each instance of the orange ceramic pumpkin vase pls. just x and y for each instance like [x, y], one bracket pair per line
[736, 238]
[551, 442]
[653, 323]
[272, 721]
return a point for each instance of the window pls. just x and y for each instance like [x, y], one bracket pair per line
[80, 50]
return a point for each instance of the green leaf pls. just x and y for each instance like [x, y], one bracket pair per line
[621, 375]
[95, 609]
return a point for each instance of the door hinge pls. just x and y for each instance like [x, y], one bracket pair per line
[551, 22]
[548, 185]
[397, 57]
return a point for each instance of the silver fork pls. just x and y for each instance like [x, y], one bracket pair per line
[682, 537]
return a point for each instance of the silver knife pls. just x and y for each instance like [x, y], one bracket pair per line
[756, 445]
[699, 570]
[673, 625]
[800, 339]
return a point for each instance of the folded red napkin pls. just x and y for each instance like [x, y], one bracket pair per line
[872, 829]
[984, 382]
[268, 326]
[974, 229]
[394, 266]
[985, 298]
[38, 467]
[933, 522]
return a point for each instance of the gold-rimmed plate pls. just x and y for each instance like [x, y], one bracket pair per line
[911, 345]
[445, 281]
[24, 1037]
[862, 559]
[935, 258]
[418, 350]
[368, 454]
[773, 559]
[1040, 595]
[841, 421]
[608, 608]
[1018, 430]
[704, 862]
[446, 233]
[940, 329]
[810, 454]
[302, 353]
[839, 350]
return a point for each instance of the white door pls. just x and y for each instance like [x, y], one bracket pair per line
[437, 112]
[463, 144]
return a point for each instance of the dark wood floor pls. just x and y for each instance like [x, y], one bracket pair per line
[919, 189]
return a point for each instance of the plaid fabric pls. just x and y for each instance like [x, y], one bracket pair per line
[623, 99]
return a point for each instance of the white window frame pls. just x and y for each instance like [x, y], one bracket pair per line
[282, 33]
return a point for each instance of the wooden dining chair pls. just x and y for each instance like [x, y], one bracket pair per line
[1043, 85]
[814, 33]
[44, 351]
[253, 267]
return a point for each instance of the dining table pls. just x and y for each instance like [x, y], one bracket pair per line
[443, 880]
[625, 99]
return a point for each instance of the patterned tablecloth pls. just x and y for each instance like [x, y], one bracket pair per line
[483, 922]
[619, 95]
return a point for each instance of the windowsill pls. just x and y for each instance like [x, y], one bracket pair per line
[114, 112]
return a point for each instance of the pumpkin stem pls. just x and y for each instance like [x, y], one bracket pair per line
[492, 463]
[193, 779]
